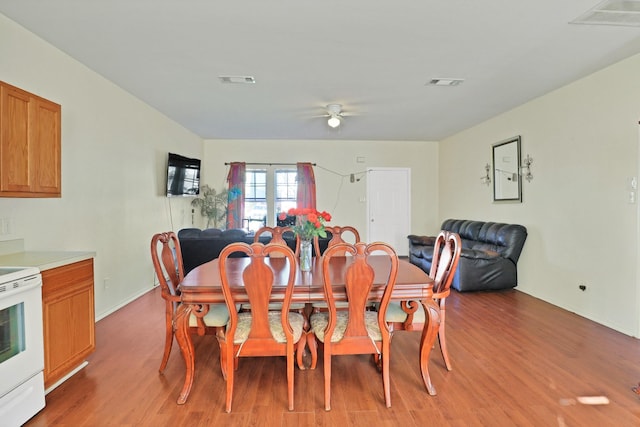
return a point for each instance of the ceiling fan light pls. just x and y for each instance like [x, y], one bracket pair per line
[333, 121]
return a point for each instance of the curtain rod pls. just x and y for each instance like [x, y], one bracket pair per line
[269, 164]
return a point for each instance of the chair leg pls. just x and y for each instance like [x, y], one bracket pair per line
[230, 361]
[377, 361]
[327, 380]
[443, 342]
[302, 344]
[313, 349]
[223, 360]
[168, 342]
[386, 386]
[223, 363]
[290, 374]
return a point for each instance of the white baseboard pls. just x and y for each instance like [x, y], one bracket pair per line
[119, 306]
[66, 377]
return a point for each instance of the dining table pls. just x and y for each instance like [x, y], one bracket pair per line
[202, 286]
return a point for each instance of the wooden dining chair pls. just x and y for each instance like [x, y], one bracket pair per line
[409, 315]
[167, 263]
[277, 236]
[337, 233]
[260, 331]
[355, 330]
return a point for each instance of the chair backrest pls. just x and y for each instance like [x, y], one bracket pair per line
[337, 233]
[258, 278]
[446, 254]
[167, 263]
[277, 236]
[358, 278]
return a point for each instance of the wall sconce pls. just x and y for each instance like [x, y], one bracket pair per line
[526, 168]
[486, 180]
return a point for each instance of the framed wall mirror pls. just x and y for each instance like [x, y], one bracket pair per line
[507, 185]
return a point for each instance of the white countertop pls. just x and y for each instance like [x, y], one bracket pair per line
[12, 254]
[44, 260]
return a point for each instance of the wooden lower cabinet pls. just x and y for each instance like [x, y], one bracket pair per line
[68, 318]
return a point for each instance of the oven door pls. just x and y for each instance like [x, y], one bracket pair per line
[21, 337]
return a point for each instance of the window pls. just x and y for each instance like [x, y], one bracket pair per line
[286, 190]
[255, 199]
[267, 193]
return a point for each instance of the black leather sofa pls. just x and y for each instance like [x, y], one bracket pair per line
[489, 256]
[200, 246]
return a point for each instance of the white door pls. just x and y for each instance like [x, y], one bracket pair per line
[389, 207]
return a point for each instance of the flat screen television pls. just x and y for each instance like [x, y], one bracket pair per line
[183, 176]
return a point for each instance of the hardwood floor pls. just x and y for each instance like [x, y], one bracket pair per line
[517, 361]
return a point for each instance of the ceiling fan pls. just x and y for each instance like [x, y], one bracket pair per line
[334, 112]
[335, 115]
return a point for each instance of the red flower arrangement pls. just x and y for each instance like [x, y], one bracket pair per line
[309, 222]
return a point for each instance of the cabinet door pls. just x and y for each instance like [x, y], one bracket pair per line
[30, 145]
[68, 318]
[46, 148]
[15, 162]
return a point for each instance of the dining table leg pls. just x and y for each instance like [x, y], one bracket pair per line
[183, 337]
[429, 334]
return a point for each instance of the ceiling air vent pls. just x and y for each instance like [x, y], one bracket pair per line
[612, 12]
[237, 79]
[445, 82]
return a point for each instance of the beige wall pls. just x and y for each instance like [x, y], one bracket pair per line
[582, 229]
[114, 151]
[335, 161]
[113, 164]
[583, 138]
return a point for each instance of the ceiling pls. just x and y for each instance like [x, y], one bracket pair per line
[374, 58]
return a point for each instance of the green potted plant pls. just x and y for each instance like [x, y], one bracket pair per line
[213, 205]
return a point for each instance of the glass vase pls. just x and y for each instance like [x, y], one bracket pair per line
[305, 255]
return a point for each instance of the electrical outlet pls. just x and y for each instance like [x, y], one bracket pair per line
[106, 283]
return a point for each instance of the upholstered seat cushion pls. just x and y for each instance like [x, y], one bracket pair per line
[319, 322]
[395, 313]
[324, 305]
[218, 315]
[275, 306]
[275, 324]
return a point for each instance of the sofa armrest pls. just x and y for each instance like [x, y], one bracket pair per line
[422, 240]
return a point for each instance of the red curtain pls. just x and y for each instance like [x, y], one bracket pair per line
[306, 197]
[235, 205]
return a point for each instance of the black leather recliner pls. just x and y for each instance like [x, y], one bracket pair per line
[489, 256]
